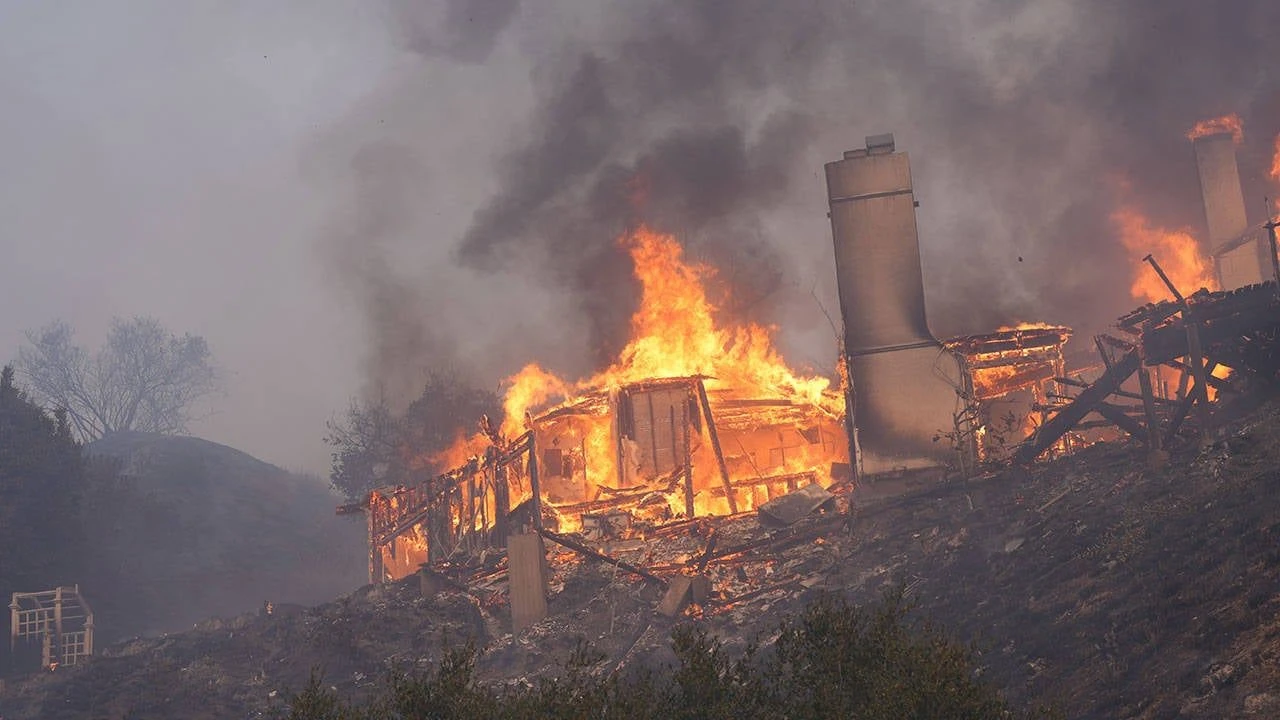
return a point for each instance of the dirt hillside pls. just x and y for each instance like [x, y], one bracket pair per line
[1111, 589]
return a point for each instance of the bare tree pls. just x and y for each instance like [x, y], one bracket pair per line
[143, 378]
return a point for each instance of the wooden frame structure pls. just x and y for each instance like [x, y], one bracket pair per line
[518, 486]
[58, 621]
[1191, 336]
[996, 366]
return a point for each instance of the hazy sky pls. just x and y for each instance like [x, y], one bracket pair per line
[293, 180]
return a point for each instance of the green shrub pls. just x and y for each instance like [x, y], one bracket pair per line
[834, 660]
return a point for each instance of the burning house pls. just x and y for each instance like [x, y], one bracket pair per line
[694, 419]
[1009, 380]
[699, 451]
[699, 417]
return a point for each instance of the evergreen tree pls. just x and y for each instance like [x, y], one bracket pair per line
[40, 482]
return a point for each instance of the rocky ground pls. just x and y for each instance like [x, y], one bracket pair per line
[1095, 582]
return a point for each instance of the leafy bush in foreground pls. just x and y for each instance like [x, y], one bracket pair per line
[835, 660]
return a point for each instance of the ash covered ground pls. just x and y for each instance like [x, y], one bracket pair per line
[1093, 582]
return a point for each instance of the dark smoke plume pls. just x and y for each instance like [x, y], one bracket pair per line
[403, 344]
[712, 119]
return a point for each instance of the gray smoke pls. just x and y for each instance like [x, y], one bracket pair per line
[387, 184]
[462, 30]
[712, 119]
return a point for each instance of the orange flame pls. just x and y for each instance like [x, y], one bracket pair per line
[674, 333]
[1176, 250]
[1225, 124]
[1028, 326]
[677, 331]
[1275, 162]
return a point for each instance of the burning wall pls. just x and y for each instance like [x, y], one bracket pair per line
[1010, 379]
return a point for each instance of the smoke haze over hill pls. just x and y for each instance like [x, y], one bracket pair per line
[339, 196]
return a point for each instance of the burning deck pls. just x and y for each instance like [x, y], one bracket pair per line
[1176, 352]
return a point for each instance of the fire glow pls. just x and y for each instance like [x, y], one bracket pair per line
[1275, 161]
[1225, 124]
[1176, 250]
[679, 338]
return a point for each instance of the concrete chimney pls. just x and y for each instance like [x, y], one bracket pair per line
[1225, 215]
[904, 384]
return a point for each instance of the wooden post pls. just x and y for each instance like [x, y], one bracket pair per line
[57, 624]
[468, 530]
[88, 634]
[1195, 354]
[688, 464]
[653, 433]
[715, 445]
[1275, 251]
[621, 480]
[501, 498]
[534, 486]
[527, 579]
[1180, 411]
[13, 624]
[1148, 400]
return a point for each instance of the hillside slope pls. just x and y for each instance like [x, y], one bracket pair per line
[192, 529]
[1093, 582]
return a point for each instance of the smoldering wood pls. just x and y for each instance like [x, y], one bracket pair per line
[791, 480]
[710, 422]
[587, 551]
[1122, 419]
[1073, 382]
[790, 508]
[1069, 416]
[678, 596]
[1216, 383]
[1182, 410]
[690, 509]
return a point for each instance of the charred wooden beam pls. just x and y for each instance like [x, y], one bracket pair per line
[776, 540]
[792, 480]
[715, 445]
[535, 487]
[1122, 419]
[1196, 357]
[1165, 278]
[587, 551]
[1152, 437]
[791, 584]
[1072, 382]
[1214, 382]
[706, 554]
[688, 460]
[1184, 407]
[1087, 401]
